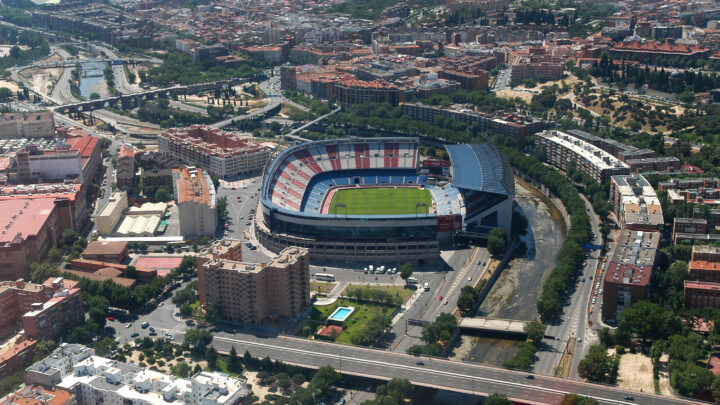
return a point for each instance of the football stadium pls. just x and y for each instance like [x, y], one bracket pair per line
[364, 199]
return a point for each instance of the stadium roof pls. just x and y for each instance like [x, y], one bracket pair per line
[480, 167]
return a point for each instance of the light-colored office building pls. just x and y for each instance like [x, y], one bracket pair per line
[112, 212]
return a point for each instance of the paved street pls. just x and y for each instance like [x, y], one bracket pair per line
[456, 376]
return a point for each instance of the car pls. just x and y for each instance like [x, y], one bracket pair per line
[171, 337]
[152, 329]
[479, 262]
[594, 300]
[445, 302]
[128, 325]
[161, 304]
[530, 377]
[440, 299]
[342, 402]
[629, 397]
[145, 324]
[470, 278]
[134, 334]
[110, 318]
[153, 333]
[420, 363]
[579, 340]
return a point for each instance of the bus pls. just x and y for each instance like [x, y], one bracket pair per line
[325, 277]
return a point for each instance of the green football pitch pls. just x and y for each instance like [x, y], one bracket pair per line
[380, 201]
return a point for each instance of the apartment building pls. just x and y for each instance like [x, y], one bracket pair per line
[15, 300]
[700, 294]
[629, 271]
[97, 380]
[36, 395]
[253, 293]
[482, 5]
[515, 126]
[74, 193]
[194, 193]
[52, 318]
[125, 168]
[353, 91]
[636, 203]
[538, 67]
[561, 150]
[27, 125]
[222, 153]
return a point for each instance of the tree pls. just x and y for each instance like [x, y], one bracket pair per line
[94, 96]
[497, 242]
[535, 331]
[211, 356]
[15, 52]
[42, 349]
[185, 309]
[234, 361]
[105, 346]
[162, 194]
[211, 312]
[198, 339]
[395, 392]
[597, 365]
[323, 381]
[467, 299]
[130, 272]
[180, 369]
[649, 321]
[575, 399]
[299, 379]
[5, 94]
[406, 271]
[498, 399]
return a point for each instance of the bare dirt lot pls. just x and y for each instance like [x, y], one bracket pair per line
[636, 373]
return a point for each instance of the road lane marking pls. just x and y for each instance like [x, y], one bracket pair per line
[418, 369]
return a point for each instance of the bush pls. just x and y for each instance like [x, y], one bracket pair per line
[620, 349]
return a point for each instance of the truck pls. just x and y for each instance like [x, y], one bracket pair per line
[412, 280]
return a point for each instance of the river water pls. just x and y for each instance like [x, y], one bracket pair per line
[516, 291]
[92, 79]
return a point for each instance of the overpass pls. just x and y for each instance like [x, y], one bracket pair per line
[438, 373]
[494, 326]
[132, 100]
[272, 107]
[291, 134]
[73, 63]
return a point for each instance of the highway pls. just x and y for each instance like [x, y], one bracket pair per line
[438, 373]
[429, 306]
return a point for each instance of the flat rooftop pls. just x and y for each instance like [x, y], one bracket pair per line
[596, 156]
[21, 218]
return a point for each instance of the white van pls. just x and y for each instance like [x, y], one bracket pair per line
[426, 286]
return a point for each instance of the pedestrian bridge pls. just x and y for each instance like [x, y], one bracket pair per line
[494, 326]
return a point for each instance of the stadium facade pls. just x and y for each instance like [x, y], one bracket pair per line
[299, 182]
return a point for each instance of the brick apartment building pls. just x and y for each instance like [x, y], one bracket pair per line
[468, 80]
[515, 126]
[253, 293]
[629, 272]
[538, 67]
[50, 319]
[15, 300]
[700, 294]
[222, 153]
[352, 91]
[125, 168]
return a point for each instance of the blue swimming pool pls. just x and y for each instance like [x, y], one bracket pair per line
[341, 314]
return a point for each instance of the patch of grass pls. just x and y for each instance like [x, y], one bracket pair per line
[394, 290]
[381, 201]
[358, 319]
[321, 288]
